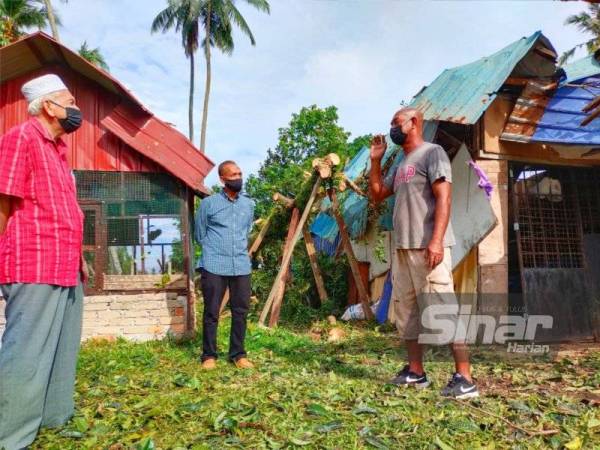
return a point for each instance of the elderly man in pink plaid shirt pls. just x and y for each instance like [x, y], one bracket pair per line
[41, 267]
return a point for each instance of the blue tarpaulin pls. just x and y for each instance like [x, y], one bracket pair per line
[561, 122]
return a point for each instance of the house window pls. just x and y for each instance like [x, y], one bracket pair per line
[133, 233]
[554, 208]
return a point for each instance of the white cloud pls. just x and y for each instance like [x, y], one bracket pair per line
[362, 56]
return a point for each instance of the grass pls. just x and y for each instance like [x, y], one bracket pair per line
[309, 393]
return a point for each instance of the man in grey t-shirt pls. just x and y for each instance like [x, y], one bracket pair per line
[423, 290]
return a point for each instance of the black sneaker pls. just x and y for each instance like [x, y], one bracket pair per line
[458, 387]
[408, 378]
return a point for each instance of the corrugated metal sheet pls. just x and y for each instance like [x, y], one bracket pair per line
[462, 94]
[97, 94]
[146, 135]
[555, 116]
[91, 147]
[582, 68]
[528, 110]
[38, 50]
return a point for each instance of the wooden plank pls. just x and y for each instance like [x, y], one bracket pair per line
[188, 262]
[288, 256]
[314, 264]
[345, 237]
[224, 301]
[261, 236]
[276, 309]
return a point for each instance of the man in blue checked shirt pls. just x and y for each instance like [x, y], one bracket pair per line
[223, 223]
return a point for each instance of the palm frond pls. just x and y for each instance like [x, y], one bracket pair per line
[566, 56]
[261, 5]
[239, 20]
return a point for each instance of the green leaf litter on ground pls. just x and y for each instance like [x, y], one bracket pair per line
[316, 395]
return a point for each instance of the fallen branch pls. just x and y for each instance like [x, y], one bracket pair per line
[352, 185]
[507, 422]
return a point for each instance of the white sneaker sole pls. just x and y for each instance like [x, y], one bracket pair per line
[467, 395]
[417, 386]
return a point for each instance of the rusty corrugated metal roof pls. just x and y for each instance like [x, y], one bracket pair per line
[462, 94]
[554, 115]
[146, 135]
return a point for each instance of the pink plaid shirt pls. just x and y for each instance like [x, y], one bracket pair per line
[44, 234]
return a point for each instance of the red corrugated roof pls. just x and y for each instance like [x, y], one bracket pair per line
[130, 121]
[159, 142]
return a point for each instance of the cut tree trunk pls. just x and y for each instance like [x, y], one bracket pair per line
[282, 199]
[314, 264]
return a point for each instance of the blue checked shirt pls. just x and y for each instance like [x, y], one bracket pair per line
[222, 228]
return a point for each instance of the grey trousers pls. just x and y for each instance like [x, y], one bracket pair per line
[38, 359]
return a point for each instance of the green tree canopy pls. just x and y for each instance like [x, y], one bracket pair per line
[312, 132]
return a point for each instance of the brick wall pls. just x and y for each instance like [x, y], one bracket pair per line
[139, 317]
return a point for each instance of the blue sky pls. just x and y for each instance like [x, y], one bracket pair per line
[363, 56]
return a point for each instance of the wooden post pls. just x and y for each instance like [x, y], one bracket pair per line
[347, 245]
[312, 256]
[276, 309]
[288, 255]
[224, 301]
[261, 235]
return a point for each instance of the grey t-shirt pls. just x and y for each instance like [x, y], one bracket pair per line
[414, 206]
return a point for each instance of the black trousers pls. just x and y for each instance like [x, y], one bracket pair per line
[213, 289]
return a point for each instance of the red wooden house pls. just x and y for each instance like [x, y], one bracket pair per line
[137, 178]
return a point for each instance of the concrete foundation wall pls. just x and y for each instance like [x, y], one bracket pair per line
[138, 317]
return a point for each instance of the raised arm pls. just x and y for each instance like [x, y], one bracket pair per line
[378, 191]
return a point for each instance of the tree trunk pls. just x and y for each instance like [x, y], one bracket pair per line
[208, 80]
[191, 100]
[52, 19]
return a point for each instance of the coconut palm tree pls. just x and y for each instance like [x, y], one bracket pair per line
[184, 17]
[52, 19]
[18, 15]
[93, 55]
[223, 14]
[587, 22]
[217, 17]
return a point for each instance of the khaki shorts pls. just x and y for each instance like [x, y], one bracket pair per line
[414, 288]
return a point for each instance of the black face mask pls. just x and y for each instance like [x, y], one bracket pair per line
[397, 136]
[73, 120]
[234, 185]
